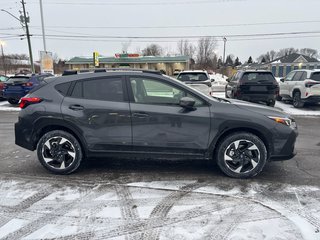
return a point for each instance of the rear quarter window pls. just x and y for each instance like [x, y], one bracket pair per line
[63, 88]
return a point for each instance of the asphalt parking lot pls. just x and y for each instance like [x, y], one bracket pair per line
[149, 199]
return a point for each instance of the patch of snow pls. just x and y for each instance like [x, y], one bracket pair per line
[12, 226]
[53, 231]
[64, 195]
[109, 212]
[170, 185]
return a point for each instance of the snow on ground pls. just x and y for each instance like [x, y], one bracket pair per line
[163, 210]
[5, 106]
[288, 107]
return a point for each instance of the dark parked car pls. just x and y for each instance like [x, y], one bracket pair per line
[253, 86]
[18, 86]
[3, 79]
[132, 113]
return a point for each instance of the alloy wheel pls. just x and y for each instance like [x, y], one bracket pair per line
[242, 156]
[58, 153]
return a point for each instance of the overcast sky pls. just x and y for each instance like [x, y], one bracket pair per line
[61, 16]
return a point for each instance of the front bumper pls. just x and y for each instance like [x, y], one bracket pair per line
[284, 148]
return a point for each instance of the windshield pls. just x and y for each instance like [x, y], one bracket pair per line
[184, 77]
[315, 76]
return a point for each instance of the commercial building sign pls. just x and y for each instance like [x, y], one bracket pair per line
[127, 55]
[96, 59]
[46, 62]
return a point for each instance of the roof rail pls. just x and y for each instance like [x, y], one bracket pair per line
[99, 70]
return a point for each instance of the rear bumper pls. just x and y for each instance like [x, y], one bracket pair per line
[257, 97]
[312, 99]
[14, 95]
[23, 135]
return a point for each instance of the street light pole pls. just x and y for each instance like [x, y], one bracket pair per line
[224, 49]
[42, 23]
[28, 35]
[3, 60]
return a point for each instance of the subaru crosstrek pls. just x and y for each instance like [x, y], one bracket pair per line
[140, 113]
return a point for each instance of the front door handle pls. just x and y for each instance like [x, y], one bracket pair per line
[76, 107]
[140, 115]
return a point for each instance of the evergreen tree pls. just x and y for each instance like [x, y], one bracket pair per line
[250, 60]
[237, 62]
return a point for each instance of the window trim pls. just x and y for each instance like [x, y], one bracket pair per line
[131, 97]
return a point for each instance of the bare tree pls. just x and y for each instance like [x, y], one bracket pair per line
[186, 48]
[313, 53]
[286, 51]
[205, 52]
[152, 50]
[125, 46]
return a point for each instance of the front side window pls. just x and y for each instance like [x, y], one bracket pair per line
[151, 91]
[289, 77]
[303, 76]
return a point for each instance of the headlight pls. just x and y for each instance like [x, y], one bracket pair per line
[286, 121]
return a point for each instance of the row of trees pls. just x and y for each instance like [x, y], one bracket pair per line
[202, 55]
[272, 54]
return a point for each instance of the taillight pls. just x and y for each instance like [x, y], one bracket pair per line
[26, 101]
[310, 84]
[28, 84]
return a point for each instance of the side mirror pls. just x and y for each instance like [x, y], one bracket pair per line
[212, 80]
[228, 79]
[187, 102]
[281, 79]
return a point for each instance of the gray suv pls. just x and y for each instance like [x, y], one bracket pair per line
[301, 86]
[139, 113]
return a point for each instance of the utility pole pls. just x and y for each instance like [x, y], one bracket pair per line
[42, 24]
[28, 35]
[3, 60]
[224, 49]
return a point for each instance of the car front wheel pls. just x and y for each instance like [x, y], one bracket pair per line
[59, 152]
[241, 155]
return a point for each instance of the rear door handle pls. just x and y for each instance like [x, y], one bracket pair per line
[76, 107]
[140, 115]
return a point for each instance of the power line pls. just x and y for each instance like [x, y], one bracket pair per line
[183, 26]
[183, 37]
[139, 3]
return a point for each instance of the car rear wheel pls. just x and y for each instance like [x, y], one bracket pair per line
[13, 101]
[297, 103]
[59, 152]
[241, 155]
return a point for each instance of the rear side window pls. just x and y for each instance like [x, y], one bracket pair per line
[297, 76]
[258, 77]
[103, 89]
[315, 76]
[63, 88]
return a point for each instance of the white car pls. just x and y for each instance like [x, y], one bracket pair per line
[195, 77]
[301, 86]
[202, 88]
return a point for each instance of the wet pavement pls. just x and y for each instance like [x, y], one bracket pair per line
[149, 199]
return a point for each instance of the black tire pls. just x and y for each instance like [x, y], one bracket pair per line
[245, 158]
[296, 101]
[13, 101]
[63, 161]
[278, 98]
[271, 103]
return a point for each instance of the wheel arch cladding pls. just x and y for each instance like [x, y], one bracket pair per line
[263, 136]
[59, 125]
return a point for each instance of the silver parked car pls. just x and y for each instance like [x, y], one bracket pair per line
[301, 86]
